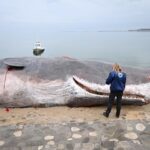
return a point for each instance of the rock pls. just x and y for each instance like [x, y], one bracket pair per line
[70, 139]
[115, 140]
[18, 133]
[92, 134]
[40, 147]
[76, 136]
[140, 127]
[75, 129]
[2, 143]
[136, 142]
[131, 135]
[51, 143]
[49, 137]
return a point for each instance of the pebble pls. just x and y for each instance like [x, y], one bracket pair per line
[49, 137]
[76, 136]
[2, 143]
[75, 129]
[70, 139]
[131, 135]
[51, 143]
[40, 147]
[93, 134]
[136, 141]
[114, 140]
[140, 127]
[18, 133]
[64, 124]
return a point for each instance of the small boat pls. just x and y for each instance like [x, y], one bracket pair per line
[38, 49]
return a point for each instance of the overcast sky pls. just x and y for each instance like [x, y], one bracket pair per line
[22, 21]
[76, 14]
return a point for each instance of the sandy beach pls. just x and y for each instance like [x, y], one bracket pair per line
[67, 114]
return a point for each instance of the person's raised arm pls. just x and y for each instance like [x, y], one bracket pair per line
[110, 78]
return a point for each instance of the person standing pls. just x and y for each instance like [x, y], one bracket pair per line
[117, 81]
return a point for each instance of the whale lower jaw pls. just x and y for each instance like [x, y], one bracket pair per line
[100, 97]
[99, 101]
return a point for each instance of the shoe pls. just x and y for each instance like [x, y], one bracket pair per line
[105, 114]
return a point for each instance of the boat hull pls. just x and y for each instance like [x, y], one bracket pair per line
[38, 52]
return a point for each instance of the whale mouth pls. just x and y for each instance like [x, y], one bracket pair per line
[90, 90]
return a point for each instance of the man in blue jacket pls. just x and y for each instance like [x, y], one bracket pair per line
[117, 81]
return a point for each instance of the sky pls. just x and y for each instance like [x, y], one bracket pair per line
[76, 14]
[25, 20]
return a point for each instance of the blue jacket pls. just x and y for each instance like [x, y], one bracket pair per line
[117, 81]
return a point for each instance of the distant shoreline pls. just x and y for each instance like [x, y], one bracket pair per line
[140, 30]
[131, 30]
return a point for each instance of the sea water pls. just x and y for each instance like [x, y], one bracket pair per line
[126, 48]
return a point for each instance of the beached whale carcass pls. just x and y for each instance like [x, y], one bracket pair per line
[50, 82]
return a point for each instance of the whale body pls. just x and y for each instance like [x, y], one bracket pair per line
[43, 82]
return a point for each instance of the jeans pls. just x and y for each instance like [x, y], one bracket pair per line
[112, 96]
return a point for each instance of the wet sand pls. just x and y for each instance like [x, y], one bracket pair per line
[65, 114]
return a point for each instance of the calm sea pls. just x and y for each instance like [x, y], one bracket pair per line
[127, 48]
